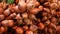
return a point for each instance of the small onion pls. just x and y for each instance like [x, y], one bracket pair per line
[19, 30]
[41, 26]
[6, 12]
[29, 32]
[8, 23]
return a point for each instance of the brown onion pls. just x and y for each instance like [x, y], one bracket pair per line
[6, 12]
[29, 32]
[41, 26]
[19, 30]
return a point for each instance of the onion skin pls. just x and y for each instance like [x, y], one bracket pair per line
[30, 17]
[29, 32]
[6, 12]
[22, 5]
[2, 17]
[8, 23]
[1, 10]
[3, 29]
[41, 26]
[19, 30]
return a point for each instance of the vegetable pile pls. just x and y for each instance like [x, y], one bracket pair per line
[29, 16]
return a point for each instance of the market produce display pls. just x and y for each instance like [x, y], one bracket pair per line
[29, 16]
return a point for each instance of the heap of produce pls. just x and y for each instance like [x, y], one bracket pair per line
[29, 16]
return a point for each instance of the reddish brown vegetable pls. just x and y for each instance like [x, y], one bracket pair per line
[7, 12]
[22, 5]
[2, 17]
[3, 29]
[29, 32]
[29, 16]
[41, 26]
[24, 15]
[19, 30]
[18, 16]
[25, 27]
[8, 23]
[1, 10]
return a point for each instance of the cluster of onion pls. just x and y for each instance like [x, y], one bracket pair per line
[30, 17]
